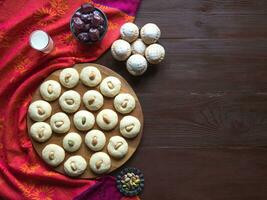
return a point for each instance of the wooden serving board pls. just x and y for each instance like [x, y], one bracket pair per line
[108, 103]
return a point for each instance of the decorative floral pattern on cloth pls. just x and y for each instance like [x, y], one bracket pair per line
[23, 175]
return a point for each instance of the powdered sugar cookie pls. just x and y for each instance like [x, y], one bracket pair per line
[150, 33]
[155, 53]
[120, 50]
[129, 32]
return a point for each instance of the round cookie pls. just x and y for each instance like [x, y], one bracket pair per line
[75, 166]
[70, 101]
[95, 140]
[90, 76]
[110, 86]
[155, 53]
[72, 142]
[150, 33]
[120, 50]
[39, 110]
[136, 65]
[100, 163]
[50, 90]
[117, 147]
[69, 77]
[124, 103]
[130, 126]
[83, 120]
[129, 32]
[138, 47]
[53, 154]
[60, 122]
[40, 131]
[93, 100]
[107, 119]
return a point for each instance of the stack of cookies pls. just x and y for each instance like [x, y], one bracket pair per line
[138, 51]
[91, 125]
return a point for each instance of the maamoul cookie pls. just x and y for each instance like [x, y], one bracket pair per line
[129, 32]
[138, 47]
[124, 103]
[107, 119]
[50, 90]
[53, 154]
[117, 147]
[150, 33]
[136, 65]
[39, 110]
[70, 101]
[60, 122]
[69, 77]
[100, 163]
[90, 76]
[72, 142]
[83, 120]
[155, 53]
[130, 126]
[40, 131]
[110, 86]
[75, 166]
[95, 140]
[120, 50]
[93, 100]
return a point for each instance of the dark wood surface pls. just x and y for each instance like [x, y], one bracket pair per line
[205, 106]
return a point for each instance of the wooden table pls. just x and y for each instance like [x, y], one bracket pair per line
[205, 106]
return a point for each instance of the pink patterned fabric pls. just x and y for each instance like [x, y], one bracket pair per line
[23, 175]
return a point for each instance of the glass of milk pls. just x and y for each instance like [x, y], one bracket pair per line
[41, 41]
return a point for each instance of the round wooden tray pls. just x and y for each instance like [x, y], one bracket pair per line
[108, 103]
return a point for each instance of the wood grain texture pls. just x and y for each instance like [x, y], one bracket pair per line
[205, 133]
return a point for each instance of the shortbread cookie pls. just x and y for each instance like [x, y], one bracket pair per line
[60, 122]
[155, 53]
[110, 86]
[136, 65]
[40, 131]
[138, 47]
[93, 100]
[95, 140]
[130, 126]
[150, 33]
[90, 76]
[39, 110]
[100, 163]
[107, 119]
[75, 166]
[129, 32]
[117, 147]
[120, 50]
[50, 90]
[124, 103]
[83, 120]
[72, 142]
[70, 101]
[53, 154]
[69, 77]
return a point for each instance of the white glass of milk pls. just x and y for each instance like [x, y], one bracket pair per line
[41, 41]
